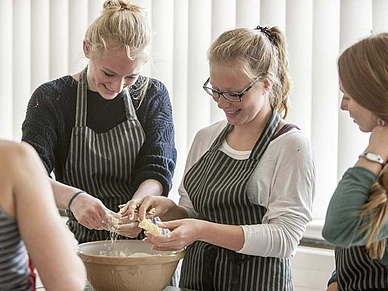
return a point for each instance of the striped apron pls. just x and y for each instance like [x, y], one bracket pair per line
[356, 271]
[217, 188]
[102, 163]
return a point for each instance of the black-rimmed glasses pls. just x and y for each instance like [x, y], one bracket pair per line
[230, 96]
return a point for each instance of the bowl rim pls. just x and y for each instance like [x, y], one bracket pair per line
[168, 255]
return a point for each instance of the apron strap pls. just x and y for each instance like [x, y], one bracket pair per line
[263, 141]
[130, 109]
[80, 112]
[266, 136]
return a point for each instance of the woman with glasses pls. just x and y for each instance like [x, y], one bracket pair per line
[356, 219]
[249, 182]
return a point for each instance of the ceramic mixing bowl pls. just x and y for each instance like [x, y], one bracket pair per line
[129, 265]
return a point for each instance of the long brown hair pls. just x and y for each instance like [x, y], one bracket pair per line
[363, 70]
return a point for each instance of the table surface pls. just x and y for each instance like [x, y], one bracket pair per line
[89, 288]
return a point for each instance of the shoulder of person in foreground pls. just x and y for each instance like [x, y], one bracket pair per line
[50, 244]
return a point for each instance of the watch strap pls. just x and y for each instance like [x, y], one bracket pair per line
[372, 157]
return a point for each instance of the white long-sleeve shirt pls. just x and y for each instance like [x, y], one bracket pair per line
[283, 183]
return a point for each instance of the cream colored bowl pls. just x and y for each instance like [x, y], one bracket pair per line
[129, 265]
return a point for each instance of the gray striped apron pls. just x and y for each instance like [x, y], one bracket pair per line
[217, 188]
[356, 271]
[102, 163]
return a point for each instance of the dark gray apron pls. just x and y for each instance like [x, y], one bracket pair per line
[356, 271]
[102, 163]
[216, 185]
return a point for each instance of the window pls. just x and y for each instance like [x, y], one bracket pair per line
[45, 42]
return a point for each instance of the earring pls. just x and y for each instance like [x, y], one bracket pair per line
[380, 122]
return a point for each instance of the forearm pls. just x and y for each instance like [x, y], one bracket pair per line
[175, 212]
[62, 193]
[279, 238]
[148, 187]
[226, 236]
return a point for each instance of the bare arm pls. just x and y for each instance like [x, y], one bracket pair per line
[332, 287]
[50, 244]
[88, 210]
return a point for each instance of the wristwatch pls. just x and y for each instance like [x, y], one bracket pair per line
[373, 158]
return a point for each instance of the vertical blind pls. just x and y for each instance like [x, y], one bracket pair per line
[42, 40]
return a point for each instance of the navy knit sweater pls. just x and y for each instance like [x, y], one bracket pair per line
[50, 118]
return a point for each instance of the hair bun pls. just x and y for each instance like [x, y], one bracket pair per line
[111, 6]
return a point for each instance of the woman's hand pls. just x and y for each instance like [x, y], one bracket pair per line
[129, 229]
[89, 211]
[153, 206]
[332, 287]
[183, 233]
[129, 210]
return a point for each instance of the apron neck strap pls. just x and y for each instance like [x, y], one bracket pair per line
[266, 136]
[82, 91]
[263, 141]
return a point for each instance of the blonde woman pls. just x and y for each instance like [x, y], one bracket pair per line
[248, 187]
[106, 132]
[356, 220]
[31, 225]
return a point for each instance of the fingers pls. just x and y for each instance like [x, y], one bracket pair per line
[164, 242]
[130, 230]
[130, 210]
[147, 208]
[91, 213]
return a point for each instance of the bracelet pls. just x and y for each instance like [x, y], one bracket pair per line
[73, 197]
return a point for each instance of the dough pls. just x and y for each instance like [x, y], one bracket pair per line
[149, 226]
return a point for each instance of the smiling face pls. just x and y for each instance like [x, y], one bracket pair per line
[110, 72]
[254, 105]
[364, 118]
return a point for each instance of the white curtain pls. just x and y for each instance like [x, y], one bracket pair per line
[42, 40]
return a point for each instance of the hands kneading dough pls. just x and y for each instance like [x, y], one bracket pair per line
[115, 221]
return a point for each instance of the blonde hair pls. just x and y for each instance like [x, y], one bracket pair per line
[363, 71]
[258, 52]
[121, 25]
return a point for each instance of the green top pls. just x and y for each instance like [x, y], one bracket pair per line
[342, 225]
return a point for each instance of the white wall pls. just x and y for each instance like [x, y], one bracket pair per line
[312, 268]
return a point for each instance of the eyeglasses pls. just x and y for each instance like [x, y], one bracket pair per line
[230, 96]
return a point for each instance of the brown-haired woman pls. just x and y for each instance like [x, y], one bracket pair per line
[356, 220]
